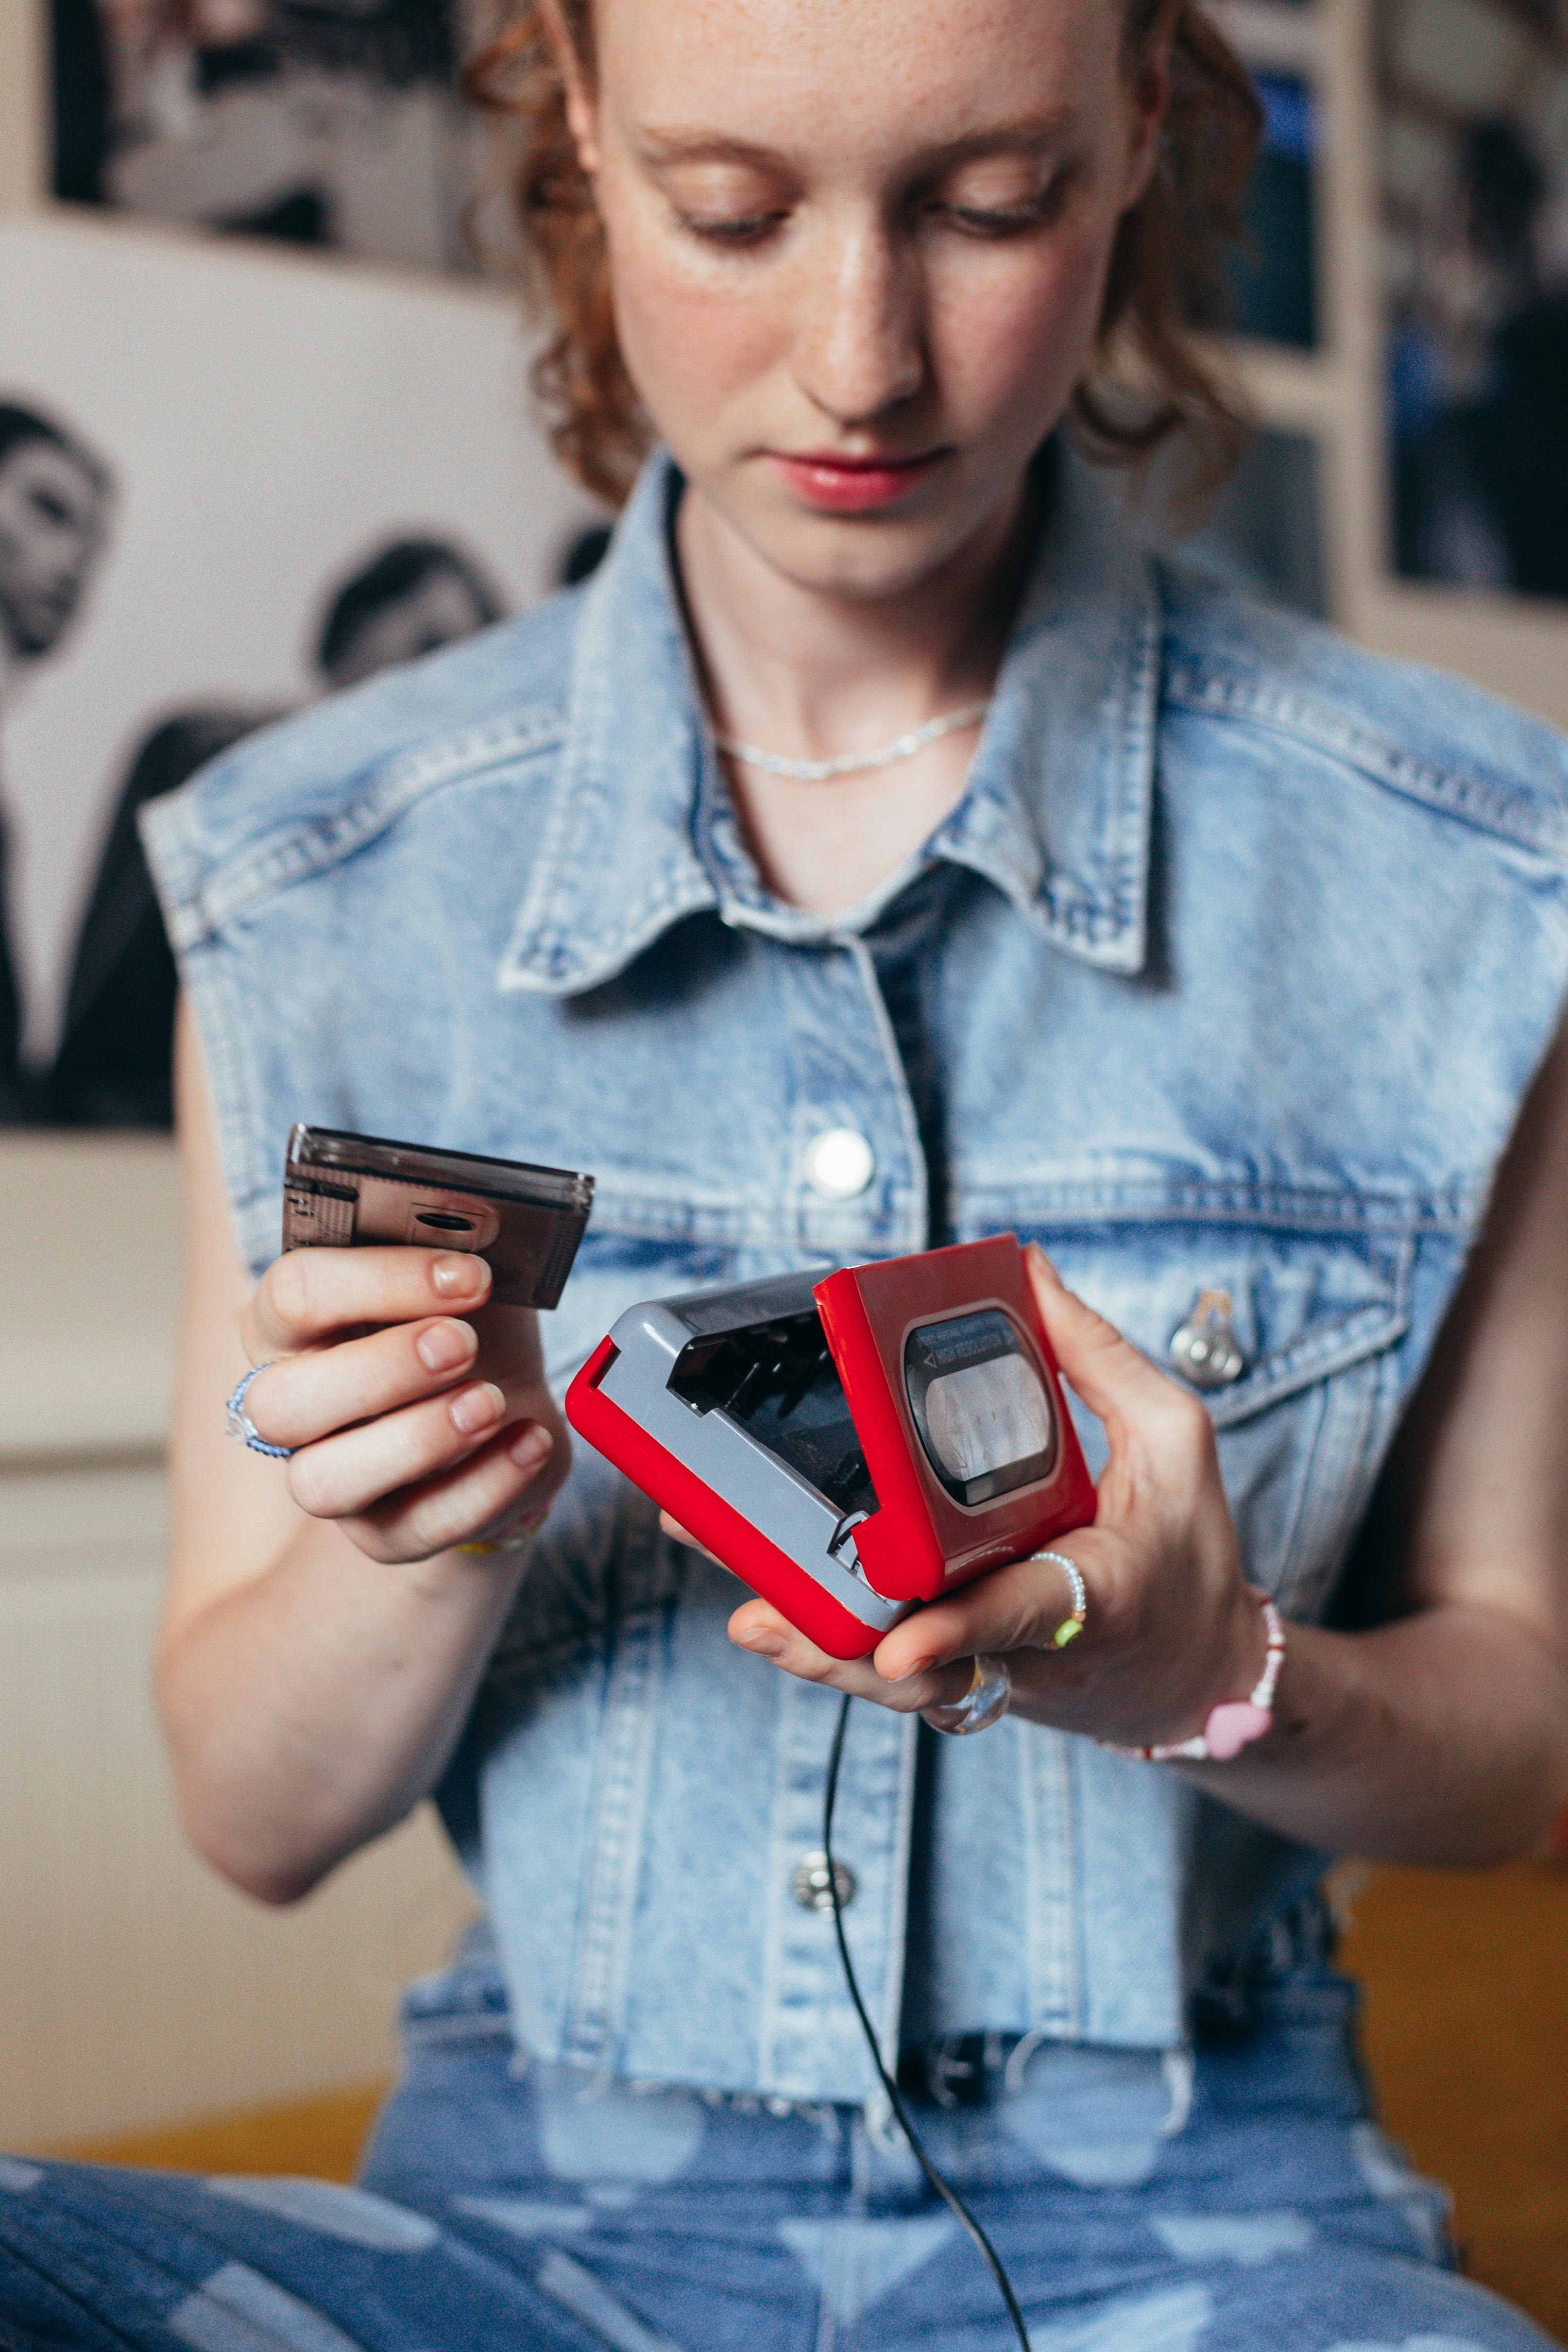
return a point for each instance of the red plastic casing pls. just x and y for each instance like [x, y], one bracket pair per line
[920, 1542]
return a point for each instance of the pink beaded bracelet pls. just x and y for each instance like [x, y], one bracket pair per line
[1236, 1723]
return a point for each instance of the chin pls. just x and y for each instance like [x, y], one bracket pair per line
[863, 561]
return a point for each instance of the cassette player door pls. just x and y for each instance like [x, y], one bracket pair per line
[958, 1405]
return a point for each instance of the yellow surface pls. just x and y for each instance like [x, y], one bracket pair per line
[1467, 2030]
[317, 2136]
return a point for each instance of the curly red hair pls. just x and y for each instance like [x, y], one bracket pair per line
[1153, 374]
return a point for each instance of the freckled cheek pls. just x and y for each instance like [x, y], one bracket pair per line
[1018, 345]
[692, 343]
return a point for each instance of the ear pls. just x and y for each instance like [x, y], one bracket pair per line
[1148, 103]
[582, 113]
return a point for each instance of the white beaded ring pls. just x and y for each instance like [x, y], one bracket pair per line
[1070, 1627]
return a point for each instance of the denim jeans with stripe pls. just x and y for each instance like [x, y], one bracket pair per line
[1244, 2201]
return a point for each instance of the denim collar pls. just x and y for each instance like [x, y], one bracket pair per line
[640, 831]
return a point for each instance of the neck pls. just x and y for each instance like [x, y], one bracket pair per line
[811, 674]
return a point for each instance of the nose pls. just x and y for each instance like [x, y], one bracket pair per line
[860, 347]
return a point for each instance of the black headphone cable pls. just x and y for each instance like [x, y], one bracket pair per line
[949, 2195]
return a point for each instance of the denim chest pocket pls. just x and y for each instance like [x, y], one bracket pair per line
[1291, 1338]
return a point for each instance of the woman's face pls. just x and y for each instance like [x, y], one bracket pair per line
[858, 248]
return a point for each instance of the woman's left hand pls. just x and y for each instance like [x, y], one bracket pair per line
[1170, 1628]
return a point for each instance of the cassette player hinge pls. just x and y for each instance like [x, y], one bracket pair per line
[843, 1548]
[842, 1545]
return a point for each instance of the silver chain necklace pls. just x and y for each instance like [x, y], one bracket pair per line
[853, 764]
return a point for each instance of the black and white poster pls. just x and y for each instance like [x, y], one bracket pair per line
[338, 124]
[230, 482]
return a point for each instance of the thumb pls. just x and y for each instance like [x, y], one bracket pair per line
[1114, 1379]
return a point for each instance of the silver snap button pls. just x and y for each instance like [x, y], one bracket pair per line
[839, 1163]
[1206, 1349]
[811, 1887]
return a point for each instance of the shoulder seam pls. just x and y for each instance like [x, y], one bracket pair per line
[311, 845]
[1466, 798]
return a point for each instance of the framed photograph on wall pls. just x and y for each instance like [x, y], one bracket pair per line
[1474, 169]
[334, 124]
[230, 482]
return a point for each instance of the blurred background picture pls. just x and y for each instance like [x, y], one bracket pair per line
[329, 124]
[1272, 289]
[193, 542]
[1475, 189]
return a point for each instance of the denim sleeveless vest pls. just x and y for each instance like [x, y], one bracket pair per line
[1251, 947]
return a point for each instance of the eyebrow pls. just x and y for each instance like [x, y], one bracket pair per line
[1030, 134]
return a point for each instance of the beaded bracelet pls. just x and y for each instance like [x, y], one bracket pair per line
[1236, 1723]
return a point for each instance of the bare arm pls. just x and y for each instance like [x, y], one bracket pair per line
[1451, 1722]
[321, 1642]
[1433, 1731]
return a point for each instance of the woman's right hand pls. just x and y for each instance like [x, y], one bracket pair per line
[418, 1413]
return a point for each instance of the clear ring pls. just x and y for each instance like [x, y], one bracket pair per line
[985, 1702]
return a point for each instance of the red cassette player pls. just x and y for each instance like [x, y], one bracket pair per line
[850, 1444]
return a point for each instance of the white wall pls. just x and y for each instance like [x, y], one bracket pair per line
[135, 1989]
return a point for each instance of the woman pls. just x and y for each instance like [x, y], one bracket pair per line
[1221, 961]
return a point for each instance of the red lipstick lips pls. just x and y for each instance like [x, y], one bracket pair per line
[840, 485]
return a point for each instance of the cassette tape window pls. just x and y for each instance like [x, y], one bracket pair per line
[778, 1381]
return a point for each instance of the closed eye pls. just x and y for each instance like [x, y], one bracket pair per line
[1000, 221]
[735, 230]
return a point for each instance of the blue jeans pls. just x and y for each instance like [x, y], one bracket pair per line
[1247, 2204]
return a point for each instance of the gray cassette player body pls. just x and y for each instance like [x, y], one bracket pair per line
[739, 1386]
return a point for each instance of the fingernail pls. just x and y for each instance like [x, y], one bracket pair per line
[763, 1646]
[442, 1347]
[458, 1275]
[531, 1445]
[475, 1408]
[921, 1666]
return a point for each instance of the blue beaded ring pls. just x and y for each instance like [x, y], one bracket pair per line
[239, 1423]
